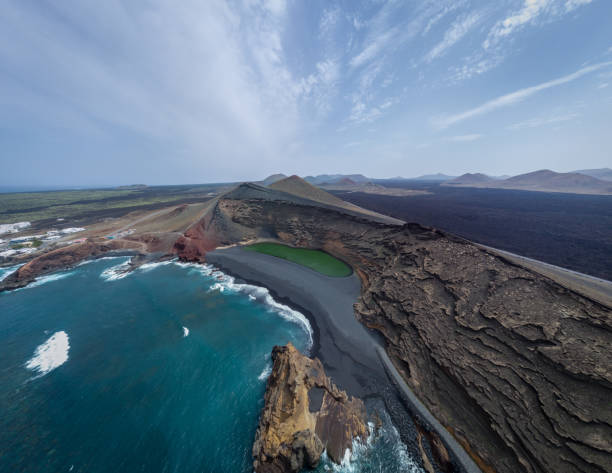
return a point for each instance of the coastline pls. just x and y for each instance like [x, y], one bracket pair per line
[344, 346]
[352, 355]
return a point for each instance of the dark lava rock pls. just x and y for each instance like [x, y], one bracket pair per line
[516, 366]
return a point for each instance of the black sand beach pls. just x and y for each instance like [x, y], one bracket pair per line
[351, 354]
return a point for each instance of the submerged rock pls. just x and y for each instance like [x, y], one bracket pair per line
[304, 414]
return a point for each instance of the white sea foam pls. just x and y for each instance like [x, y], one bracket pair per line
[185, 332]
[4, 272]
[354, 461]
[261, 295]
[49, 278]
[203, 269]
[149, 266]
[116, 272]
[94, 260]
[223, 282]
[51, 354]
[265, 373]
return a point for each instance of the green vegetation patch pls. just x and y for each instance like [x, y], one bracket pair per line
[33, 206]
[318, 260]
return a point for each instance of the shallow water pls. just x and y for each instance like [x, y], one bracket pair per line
[159, 370]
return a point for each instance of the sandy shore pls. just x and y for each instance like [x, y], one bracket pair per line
[351, 354]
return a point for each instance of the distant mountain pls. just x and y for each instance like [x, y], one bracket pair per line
[297, 186]
[604, 174]
[272, 179]
[346, 181]
[547, 180]
[434, 177]
[544, 180]
[565, 181]
[470, 179]
[334, 178]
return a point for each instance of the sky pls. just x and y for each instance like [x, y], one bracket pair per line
[166, 92]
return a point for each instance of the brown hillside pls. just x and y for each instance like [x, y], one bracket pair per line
[297, 186]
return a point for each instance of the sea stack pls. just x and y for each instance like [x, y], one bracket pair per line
[304, 414]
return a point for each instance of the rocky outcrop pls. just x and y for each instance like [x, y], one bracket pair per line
[304, 414]
[62, 258]
[516, 366]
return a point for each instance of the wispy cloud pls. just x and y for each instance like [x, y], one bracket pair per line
[573, 4]
[457, 30]
[516, 97]
[465, 138]
[353, 144]
[542, 121]
[441, 14]
[373, 49]
[530, 13]
[328, 21]
[321, 86]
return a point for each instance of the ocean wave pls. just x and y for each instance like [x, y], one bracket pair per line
[116, 272]
[51, 354]
[149, 266]
[222, 283]
[49, 278]
[262, 295]
[363, 457]
[95, 260]
[267, 371]
[4, 272]
[185, 332]
[203, 269]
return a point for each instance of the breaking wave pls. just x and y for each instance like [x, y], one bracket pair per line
[94, 260]
[383, 447]
[51, 277]
[51, 354]
[4, 272]
[265, 373]
[116, 272]
[185, 332]
[263, 296]
[224, 282]
[149, 266]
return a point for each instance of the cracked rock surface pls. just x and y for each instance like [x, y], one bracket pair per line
[294, 429]
[516, 366]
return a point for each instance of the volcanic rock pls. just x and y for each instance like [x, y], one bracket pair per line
[303, 415]
[62, 258]
[516, 366]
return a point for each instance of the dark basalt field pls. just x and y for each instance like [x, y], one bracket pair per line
[568, 230]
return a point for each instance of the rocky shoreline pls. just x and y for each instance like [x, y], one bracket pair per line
[304, 415]
[348, 351]
[515, 365]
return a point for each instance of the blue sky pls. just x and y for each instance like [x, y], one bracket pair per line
[159, 91]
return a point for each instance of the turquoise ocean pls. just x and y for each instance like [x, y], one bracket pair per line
[158, 370]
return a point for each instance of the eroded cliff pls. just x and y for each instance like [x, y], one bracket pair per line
[517, 367]
[304, 414]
